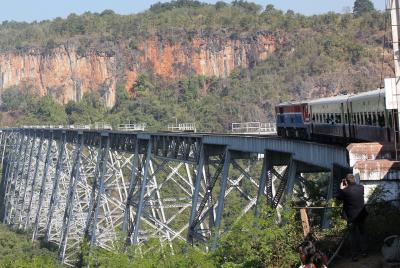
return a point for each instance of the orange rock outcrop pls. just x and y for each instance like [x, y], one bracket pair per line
[66, 75]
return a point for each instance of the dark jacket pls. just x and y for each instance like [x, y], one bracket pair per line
[353, 202]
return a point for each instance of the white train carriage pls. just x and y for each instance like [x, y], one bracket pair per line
[358, 117]
[328, 116]
[369, 118]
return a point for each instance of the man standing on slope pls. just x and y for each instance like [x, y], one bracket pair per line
[354, 213]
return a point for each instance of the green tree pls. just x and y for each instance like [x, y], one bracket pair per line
[17, 250]
[12, 98]
[260, 241]
[362, 6]
[46, 110]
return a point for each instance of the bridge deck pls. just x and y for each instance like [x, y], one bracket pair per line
[310, 153]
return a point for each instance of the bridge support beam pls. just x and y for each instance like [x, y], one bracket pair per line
[69, 209]
[140, 205]
[5, 138]
[336, 175]
[97, 189]
[54, 193]
[33, 183]
[326, 222]
[291, 177]
[43, 192]
[26, 179]
[18, 182]
[263, 182]
[132, 185]
[11, 182]
[221, 197]
[195, 197]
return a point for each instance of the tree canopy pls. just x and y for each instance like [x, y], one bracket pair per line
[362, 6]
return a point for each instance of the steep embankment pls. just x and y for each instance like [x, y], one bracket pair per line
[66, 72]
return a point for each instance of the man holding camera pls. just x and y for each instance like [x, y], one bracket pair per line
[354, 213]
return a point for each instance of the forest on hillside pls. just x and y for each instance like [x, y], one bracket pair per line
[319, 55]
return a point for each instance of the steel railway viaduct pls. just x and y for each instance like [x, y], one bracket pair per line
[63, 185]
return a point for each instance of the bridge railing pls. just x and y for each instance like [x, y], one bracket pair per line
[254, 127]
[79, 126]
[102, 125]
[185, 127]
[132, 127]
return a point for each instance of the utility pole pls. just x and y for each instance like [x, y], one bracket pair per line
[392, 86]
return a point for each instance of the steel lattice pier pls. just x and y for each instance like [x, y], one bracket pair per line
[65, 185]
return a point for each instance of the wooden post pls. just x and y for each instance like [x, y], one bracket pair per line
[304, 221]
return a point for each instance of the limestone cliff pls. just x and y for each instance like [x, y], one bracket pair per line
[66, 73]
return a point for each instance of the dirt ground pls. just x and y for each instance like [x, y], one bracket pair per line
[372, 261]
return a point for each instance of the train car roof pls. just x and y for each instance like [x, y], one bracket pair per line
[328, 100]
[290, 103]
[368, 94]
[335, 99]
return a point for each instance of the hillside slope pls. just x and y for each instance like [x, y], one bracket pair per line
[212, 64]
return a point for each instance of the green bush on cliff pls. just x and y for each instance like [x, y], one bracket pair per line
[16, 250]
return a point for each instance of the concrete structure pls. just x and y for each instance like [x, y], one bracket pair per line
[374, 167]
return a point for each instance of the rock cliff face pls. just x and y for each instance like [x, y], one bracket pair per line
[60, 72]
[67, 73]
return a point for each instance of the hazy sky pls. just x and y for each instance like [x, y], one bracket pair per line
[29, 10]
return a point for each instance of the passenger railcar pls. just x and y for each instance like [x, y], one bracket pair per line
[358, 117]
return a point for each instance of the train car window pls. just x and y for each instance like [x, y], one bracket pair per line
[338, 119]
[374, 119]
[385, 114]
[358, 119]
[390, 119]
[369, 119]
[364, 118]
[345, 119]
[381, 119]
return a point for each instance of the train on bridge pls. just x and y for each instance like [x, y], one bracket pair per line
[344, 118]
